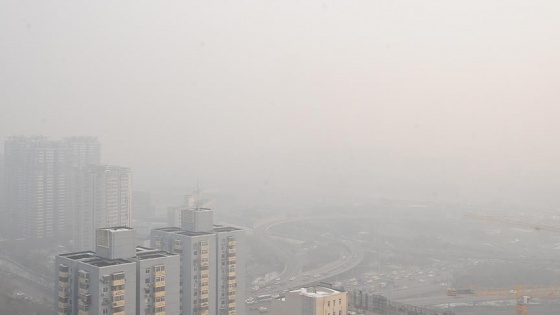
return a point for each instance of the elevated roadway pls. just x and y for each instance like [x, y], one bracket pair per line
[350, 254]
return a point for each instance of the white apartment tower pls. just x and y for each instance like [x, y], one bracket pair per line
[118, 278]
[103, 199]
[212, 263]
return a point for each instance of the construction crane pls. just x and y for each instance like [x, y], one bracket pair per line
[534, 226]
[522, 295]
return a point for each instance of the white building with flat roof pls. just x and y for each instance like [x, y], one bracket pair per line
[316, 300]
[118, 278]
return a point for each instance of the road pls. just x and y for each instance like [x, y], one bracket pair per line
[350, 254]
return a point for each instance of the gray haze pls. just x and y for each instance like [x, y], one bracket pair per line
[298, 101]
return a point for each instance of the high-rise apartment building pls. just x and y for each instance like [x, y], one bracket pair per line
[316, 300]
[103, 198]
[212, 263]
[118, 278]
[37, 183]
[83, 151]
[35, 187]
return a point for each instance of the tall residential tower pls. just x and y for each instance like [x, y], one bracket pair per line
[38, 184]
[212, 263]
[118, 278]
[35, 187]
[103, 198]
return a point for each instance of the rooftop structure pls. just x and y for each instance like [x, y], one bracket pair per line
[117, 278]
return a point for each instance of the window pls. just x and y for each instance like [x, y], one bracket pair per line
[105, 289]
[147, 270]
[329, 304]
[105, 311]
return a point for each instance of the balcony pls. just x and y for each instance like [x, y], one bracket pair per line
[159, 304]
[117, 293]
[160, 273]
[159, 294]
[118, 304]
[119, 313]
[118, 282]
[159, 284]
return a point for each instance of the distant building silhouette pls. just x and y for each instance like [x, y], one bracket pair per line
[103, 198]
[37, 184]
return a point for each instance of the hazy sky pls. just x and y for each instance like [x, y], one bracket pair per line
[456, 100]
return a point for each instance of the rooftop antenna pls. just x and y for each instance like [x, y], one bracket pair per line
[196, 202]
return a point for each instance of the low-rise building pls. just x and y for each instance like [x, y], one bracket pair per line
[316, 300]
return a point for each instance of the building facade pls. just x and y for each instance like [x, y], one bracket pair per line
[35, 187]
[38, 184]
[118, 278]
[212, 263]
[103, 198]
